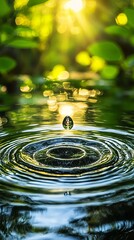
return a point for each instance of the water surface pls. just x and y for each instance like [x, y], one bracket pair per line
[57, 183]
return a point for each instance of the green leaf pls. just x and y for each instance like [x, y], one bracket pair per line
[118, 31]
[109, 72]
[8, 29]
[32, 3]
[6, 64]
[23, 43]
[107, 50]
[130, 15]
[4, 8]
[132, 40]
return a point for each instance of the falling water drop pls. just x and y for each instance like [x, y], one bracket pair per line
[67, 122]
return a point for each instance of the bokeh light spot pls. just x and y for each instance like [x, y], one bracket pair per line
[121, 19]
[97, 63]
[25, 88]
[83, 58]
[58, 72]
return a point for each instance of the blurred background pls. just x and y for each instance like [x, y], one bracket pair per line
[49, 45]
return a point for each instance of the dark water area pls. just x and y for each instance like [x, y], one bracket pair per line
[58, 183]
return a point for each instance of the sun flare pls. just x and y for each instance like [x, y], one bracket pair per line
[74, 6]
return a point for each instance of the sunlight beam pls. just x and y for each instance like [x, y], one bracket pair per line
[74, 6]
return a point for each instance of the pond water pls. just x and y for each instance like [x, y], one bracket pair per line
[58, 183]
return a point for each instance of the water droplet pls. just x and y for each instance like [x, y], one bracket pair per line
[67, 122]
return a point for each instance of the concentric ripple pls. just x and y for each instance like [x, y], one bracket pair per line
[63, 155]
[92, 163]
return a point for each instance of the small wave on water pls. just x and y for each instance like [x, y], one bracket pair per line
[72, 180]
[93, 165]
[67, 165]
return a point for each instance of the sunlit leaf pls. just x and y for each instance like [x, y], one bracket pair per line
[107, 50]
[6, 64]
[118, 31]
[32, 3]
[109, 72]
[130, 15]
[23, 43]
[4, 8]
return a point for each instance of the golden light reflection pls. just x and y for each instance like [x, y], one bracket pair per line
[92, 100]
[76, 110]
[121, 19]
[74, 6]
[47, 93]
[93, 93]
[81, 94]
[53, 108]
[52, 101]
[66, 109]
[62, 97]
[85, 94]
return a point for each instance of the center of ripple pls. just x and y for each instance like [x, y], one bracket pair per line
[66, 152]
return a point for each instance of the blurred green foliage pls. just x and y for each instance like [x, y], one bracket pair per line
[42, 39]
[107, 50]
[6, 64]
